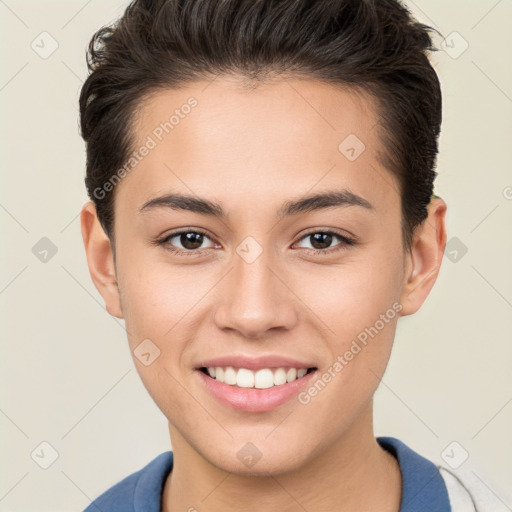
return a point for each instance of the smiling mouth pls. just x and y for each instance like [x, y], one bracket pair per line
[263, 378]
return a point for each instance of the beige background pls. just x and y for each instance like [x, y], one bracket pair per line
[67, 375]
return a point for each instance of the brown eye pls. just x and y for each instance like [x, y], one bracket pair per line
[185, 242]
[191, 240]
[322, 241]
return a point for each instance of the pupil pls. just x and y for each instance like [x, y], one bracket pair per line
[191, 240]
[321, 239]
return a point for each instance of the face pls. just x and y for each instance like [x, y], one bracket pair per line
[251, 275]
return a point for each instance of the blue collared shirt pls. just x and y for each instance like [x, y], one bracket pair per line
[423, 488]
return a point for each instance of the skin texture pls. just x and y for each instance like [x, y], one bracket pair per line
[251, 150]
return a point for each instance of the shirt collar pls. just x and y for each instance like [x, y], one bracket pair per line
[423, 488]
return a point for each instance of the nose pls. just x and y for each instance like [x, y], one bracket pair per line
[254, 298]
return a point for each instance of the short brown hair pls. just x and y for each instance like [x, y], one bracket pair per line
[373, 45]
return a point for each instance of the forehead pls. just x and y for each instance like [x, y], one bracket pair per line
[283, 136]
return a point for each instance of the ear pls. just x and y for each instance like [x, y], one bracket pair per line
[423, 260]
[100, 259]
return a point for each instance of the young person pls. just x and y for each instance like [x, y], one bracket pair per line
[262, 214]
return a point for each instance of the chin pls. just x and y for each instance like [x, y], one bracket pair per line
[265, 466]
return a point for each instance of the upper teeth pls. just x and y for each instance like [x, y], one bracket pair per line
[261, 379]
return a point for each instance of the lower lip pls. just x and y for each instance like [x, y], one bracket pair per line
[253, 399]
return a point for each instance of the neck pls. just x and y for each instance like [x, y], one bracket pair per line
[353, 474]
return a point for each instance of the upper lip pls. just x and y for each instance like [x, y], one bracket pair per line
[255, 363]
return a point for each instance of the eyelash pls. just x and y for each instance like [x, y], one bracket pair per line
[345, 241]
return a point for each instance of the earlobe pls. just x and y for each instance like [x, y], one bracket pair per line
[424, 259]
[100, 259]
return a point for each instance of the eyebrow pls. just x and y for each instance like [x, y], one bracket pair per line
[332, 199]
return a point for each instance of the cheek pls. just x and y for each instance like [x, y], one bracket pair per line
[156, 298]
[350, 297]
[163, 304]
[361, 310]
[357, 306]
[157, 302]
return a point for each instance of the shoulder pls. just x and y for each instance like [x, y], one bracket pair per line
[428, 486]
[460, 497]
[140, 489]
[470, 493]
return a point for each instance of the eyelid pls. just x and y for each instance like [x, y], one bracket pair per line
[330, 231]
